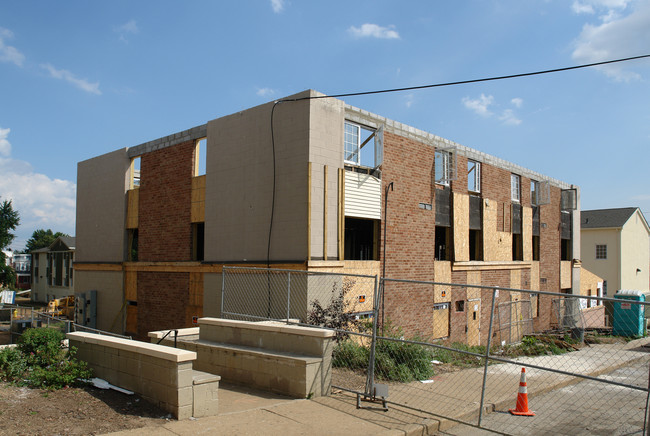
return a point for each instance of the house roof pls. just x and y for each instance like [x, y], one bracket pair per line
[68, 240]
[605, 218]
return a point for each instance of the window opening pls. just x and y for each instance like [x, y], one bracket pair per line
[601, 251]
[135, 173]
[517, 247]
[566, 249]
[132, 254]
[443, 243]
[535, 247]
[444, 167]
[475, 245]
[473, 176]
[58, 269]
[49, 269]
[515, 187]
[198, 241]
[460, 306]
[569, 199]
[200, 153]
[566, 235]
[361, 239]
[356, 149]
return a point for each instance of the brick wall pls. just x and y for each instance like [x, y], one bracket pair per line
[162, 302]
[549, 256]
[165, 232]
[410, 232]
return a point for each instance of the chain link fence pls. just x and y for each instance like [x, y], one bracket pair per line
[14, 320]
[456, 352]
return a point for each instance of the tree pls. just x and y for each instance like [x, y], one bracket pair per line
[42, 238]
[9, 220]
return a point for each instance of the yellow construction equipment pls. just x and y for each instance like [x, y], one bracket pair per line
[63, 307]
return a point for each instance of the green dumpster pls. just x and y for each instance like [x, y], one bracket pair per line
[629, 314]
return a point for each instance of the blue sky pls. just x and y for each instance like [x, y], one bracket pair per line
[79, 79]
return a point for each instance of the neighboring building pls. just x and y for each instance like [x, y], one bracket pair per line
[53, 270]
[616, 246]
[154, 233]
[22, 264]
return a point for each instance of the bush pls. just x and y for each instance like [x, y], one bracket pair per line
[337, 314]
[12, 364]
[395, 360]
[349, 354]
[40, 362]
[403, 361]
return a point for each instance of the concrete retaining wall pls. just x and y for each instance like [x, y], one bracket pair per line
[163, 376]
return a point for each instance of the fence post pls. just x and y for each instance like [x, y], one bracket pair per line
[288, 294]
[371, 359]
[487, 355]
[223, 288]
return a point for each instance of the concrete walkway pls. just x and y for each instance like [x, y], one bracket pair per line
[451, 396]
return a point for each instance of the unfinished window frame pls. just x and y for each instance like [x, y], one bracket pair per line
[134, 172]
[473, 180]
[355, 137]
[515, 188]
[200, 156]
[352, 145]
[444, 166]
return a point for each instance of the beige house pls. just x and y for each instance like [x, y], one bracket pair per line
[616, 246]
[52, 271]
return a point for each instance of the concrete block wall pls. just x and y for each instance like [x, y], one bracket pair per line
[162, 375]
[290, 360]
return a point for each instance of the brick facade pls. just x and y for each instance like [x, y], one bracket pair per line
[162, 302]
[409, 164]
[165, 229]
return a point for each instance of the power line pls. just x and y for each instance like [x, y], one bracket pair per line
[465, 82]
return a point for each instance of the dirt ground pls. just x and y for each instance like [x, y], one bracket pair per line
[73, 411]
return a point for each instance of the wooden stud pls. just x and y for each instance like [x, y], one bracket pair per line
[325, 215]
[341, 213]
[309, 211]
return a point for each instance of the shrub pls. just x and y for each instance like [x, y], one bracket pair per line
[349, 354]
[12, 364]
[337, 314]
[39, 361]
[402, 361]
[395, 360]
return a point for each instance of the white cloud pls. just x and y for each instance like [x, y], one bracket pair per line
[128, 28]
[42, 202]
[616, 38]
[5, 146]
[479, 105]
[482, 104]
[374, 31]
[508, 117]
[7, 52]
[410, 98]
[66, 75]
[265, 92]
[277, 5]
[581, 8]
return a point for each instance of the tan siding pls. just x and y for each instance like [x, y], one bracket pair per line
[362, 195]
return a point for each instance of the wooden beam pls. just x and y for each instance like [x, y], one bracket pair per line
[309, 211]
[325, 215]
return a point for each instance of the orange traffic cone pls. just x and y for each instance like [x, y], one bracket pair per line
[522, 398]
